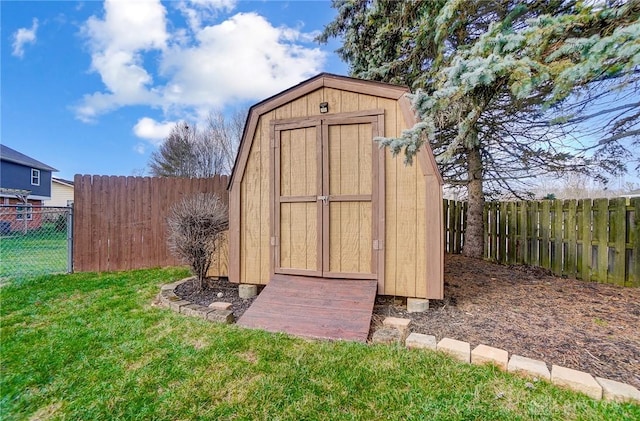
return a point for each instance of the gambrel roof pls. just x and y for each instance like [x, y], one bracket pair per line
[379, 89]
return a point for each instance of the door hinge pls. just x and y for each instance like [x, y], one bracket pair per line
[274, 241]
[377, 244]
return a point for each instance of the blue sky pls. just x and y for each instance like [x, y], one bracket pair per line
[93, 87]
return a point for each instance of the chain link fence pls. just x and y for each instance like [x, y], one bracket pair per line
[35, 240]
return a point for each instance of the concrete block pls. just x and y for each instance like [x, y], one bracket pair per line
[195, 310]
[576, 380]
[617, 391]
[220, 305]
[386, 335]
[168, 287]
[417, 305]
[168, 295]
[176, 305]
[483, 354]
[420, 341]
[529, 367]
[458, 349]
[220, 316]
[247, 290]
[397, 323]
[173, 285]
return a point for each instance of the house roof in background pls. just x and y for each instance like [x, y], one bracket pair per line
[11, 155]
[62, 181]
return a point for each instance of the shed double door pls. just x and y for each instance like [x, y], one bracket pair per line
[326, 197]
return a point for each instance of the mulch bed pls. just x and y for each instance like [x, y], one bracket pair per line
[525, 310]
[212, 290]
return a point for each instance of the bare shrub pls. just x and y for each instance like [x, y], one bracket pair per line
[196, 224]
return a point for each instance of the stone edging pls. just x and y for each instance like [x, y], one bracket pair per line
[168, 298]
[395, 330]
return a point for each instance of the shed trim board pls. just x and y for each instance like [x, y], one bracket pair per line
[357, 109]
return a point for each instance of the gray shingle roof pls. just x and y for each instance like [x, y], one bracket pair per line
[62, 180]
[11, 155]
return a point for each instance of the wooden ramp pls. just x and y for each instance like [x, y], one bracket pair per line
[314, 307]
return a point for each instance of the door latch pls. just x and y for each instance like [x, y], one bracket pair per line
[324, 199]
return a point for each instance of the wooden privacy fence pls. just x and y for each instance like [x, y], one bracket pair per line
[594, 240]
[454, 217]
[120, 222]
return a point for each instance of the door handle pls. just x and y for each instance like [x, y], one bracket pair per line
[324, 199]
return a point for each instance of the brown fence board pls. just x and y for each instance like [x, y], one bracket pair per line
[523, 250]
[601, 238]
[545, 234]
[512, 222]
[587, 246]
[556, 233]
[120, 222]
[617, 228]
[593, 240]
[634, 240]
[571, 234]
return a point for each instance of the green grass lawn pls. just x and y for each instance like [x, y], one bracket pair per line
[92, 347]
[37, 252]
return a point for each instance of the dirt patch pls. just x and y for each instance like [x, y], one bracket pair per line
[527, 311]
[524, 310]
[211, 292]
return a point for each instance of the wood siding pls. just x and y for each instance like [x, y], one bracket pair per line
[412, 196]
[61, 195]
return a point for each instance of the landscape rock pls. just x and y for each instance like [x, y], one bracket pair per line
[402, 325]
[220, 305]
[576, 380]
[386, 335]
[247, 290]
[420, 341]
[617, 391]
[529, 367]
[417, 305]
[220, 316]
[458, 349]
[483, 354]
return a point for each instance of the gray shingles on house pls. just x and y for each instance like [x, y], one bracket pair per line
[21, 175]
[11, 155]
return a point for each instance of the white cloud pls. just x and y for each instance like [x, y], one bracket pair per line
[196, 11]
[153, 131]
[117, 43]
[242, 58]
[143, 59]
[24, 36]
[140, 148]
[215, 4]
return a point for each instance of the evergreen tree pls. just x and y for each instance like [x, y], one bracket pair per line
[500, 85]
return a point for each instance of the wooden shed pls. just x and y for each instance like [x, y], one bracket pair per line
[312, 194]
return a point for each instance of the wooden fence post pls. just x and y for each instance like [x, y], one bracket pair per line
[545, 234]
[571, 236]
[617, 229]
[634, 240]
[556, 232]
[512, 224]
